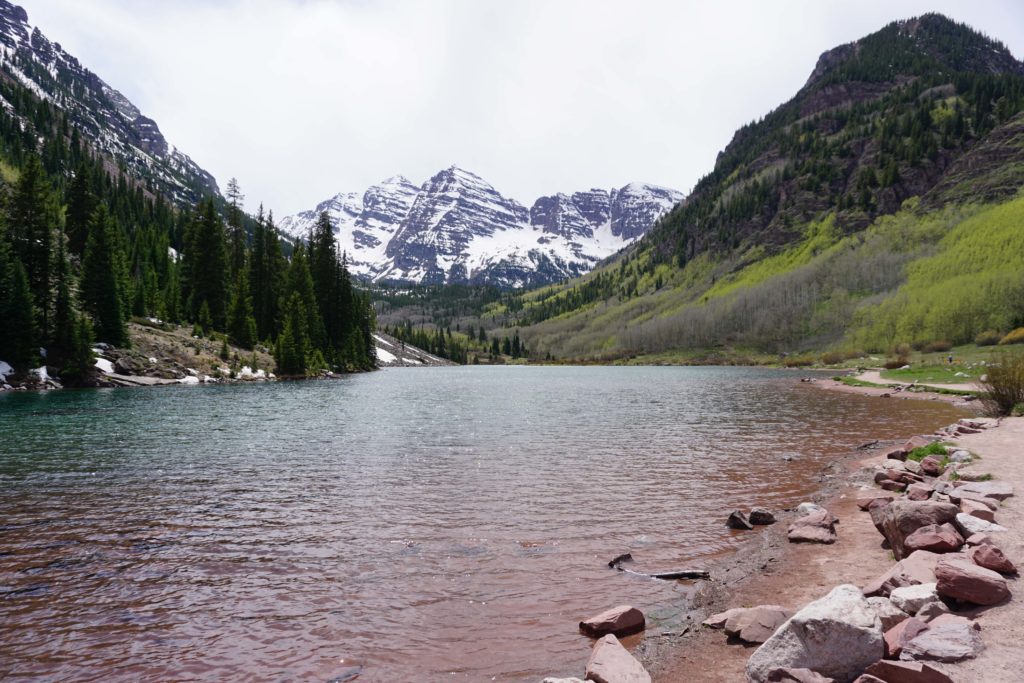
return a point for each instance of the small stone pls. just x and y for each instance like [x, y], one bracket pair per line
[912, 466]
[932, 611]
[817, 527]
[757, 624]
[901, 634]
[808, 508]
[719, 620]
[761, 517]
[979, 539]
[897, 465]
[991, 557]
[944, 642]
[890, 485]
[911, 599]
[612, 663]
[621, 621]
[738, 520]
[961, 579]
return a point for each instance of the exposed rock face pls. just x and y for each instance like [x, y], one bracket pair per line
[612, 663]
[836, 636]
[961, 579]
[902, 518]
[620, 621]
[105, 117]
[457, 228]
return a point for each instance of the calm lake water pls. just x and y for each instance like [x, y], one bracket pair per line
[435, 524]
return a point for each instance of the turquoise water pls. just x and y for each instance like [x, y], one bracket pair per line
[410, 524]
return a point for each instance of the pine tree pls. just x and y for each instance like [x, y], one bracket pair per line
[299, 282]
[79, 365]
[31, 217]
[18, 341]
[81, 202]
[101, 295]
[236, 231]
[64, 322]
[241, 324]
[206, 253]
[291, 349]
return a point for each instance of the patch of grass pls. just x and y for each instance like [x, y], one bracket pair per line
[922, 374]
[854, 382]
[922, 452]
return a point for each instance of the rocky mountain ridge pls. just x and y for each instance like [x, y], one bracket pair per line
[104, 116]
[457, 228]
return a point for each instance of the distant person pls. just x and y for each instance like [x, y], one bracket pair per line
[950, 359]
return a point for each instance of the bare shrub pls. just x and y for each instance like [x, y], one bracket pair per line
[938, 346]
[1004, 384]
[988, 338]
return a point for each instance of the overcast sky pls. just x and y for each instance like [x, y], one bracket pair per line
[301, 99]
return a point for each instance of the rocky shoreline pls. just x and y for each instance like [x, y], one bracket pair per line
[919, 587]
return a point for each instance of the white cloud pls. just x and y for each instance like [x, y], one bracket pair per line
[301, 99]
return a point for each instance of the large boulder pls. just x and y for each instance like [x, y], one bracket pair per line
[757, 624]
[918, 567]
[961, 579]
[621, 621]
[836, 636]
[907, 672]
[817, 527]
[991, 557]
[936, 538]
[612, 663]
[944, 641]
[901, 634]
[901, 518]
[997, 490]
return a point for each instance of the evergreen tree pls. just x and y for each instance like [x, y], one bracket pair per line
[206, 253]
[236, 231]
[31, 218]
[79, 363]
[241, 324]
[101, 295]
[291, 349]
[299, 282]
[18, 342]
[64, 323]
[267, 267]
[81, 202]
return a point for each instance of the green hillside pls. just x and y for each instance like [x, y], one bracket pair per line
[878, 206]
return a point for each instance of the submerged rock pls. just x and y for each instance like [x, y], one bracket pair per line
[738, 520]
[761, 517]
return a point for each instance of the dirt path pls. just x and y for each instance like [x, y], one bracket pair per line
[875, 377]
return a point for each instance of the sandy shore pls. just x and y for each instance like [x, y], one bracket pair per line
[769, 570]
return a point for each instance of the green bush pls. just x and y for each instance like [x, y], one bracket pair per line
[798, 361]
[988, 338]
[1014, 337]
[922, 452]
[832, 358]
[1004, 384]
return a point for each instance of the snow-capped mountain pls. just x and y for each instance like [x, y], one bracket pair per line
[108, 120]
[457, 228]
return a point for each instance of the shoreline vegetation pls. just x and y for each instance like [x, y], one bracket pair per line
[920, 547]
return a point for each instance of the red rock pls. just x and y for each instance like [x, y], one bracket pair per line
[919, 492]
[901, 634]
[817, 527]
[979, 539]
[789, 675]
[907, 672]
[890, 485]
[955, 619]
[612, 663]
[719, 620]
[958, 495]
[991, 557]
[997, 490]
[977, 509]
[901, 518]
[874, 500]
[757, 624]
[896, 454]
[962, 580]
[916, 568]
[931, 466]
[621, 621]
[936, 538]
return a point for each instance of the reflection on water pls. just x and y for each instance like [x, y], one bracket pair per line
[430, 524]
